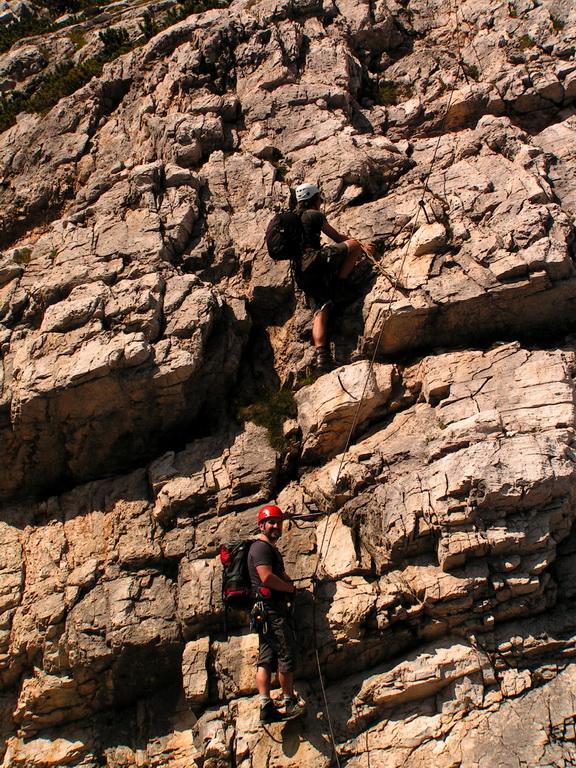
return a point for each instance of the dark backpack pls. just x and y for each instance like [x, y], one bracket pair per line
[236, 586]
[285, 236]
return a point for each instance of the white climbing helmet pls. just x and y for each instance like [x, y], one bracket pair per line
[306, 191]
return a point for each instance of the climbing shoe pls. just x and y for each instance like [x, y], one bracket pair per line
[322, 359]
[292, 709]
[269, 714]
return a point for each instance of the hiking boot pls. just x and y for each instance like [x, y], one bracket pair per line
[269, 714]
[292, 709]
[323, 359]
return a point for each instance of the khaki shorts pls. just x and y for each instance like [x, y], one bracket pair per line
[278, 645]
[320, 269]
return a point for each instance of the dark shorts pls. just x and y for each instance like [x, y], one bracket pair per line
[278, 645]
[320, 268]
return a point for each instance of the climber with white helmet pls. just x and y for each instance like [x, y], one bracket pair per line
[272, 590]
[323, 269]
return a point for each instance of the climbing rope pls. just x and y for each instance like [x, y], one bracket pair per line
[321, 677]
[393, 279]
[396, 284]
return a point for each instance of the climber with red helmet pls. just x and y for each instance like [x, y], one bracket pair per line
[272, 589]
[323, 269]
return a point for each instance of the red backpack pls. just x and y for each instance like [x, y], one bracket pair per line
[236, 586]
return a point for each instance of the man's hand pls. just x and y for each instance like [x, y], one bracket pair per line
[289, 581]
[368, 249]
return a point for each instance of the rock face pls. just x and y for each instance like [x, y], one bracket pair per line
[429, 480]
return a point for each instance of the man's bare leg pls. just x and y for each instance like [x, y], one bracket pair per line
[263, 680]
[320, 327]
[322, 317]
[286, 680]
[354, 253]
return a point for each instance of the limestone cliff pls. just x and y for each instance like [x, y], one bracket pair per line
[430, 479]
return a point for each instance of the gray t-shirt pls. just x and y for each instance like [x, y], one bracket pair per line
[312, 221]
[262, 553]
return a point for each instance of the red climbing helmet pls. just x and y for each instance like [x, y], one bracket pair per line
[269, 511]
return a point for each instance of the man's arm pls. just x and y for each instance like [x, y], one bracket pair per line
[330, 232]
[270, 580]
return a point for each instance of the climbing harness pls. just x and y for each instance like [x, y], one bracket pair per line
[259, 617]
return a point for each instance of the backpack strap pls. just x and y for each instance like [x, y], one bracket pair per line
[296, 260]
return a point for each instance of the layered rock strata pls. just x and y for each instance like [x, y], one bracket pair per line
[429, 480]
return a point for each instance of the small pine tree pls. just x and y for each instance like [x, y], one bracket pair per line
[149, 27]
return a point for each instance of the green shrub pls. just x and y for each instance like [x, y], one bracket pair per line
[271, 411]
[308, 379]
[525, 43]
[36, 25]
[77, 38]
[15, 31]
[188, 7]
[91, 11]
[10, 107]
[67, 77]
[63, 81]
[471, 71]
[22, 256]
[387, 94]
[149, 27]
[58, 7]
[116, 41]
